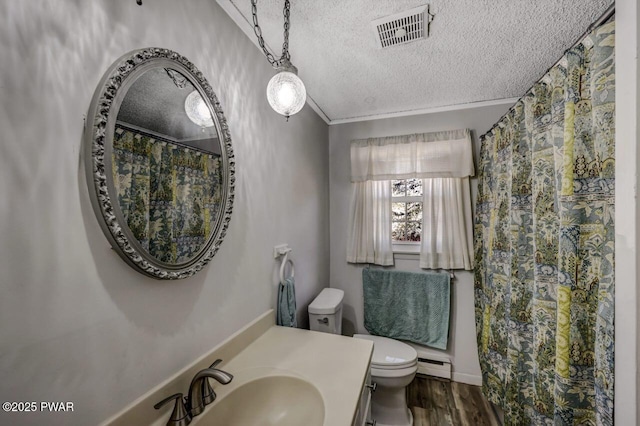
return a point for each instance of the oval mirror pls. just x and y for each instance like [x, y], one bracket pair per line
[159, 163]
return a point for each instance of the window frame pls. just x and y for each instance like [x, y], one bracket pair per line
[405, 247]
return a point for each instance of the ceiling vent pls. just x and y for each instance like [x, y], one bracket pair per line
[403, 27]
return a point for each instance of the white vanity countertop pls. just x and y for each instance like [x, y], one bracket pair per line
[336, 365]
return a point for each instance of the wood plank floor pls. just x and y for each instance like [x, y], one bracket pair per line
[436, 402]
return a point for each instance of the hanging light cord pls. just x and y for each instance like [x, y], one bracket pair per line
[285, 45]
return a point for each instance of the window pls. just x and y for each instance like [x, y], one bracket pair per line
[410, 196]
[406, 211]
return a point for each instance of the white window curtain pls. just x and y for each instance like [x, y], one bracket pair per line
[430, 156]
[370, 226]
[447, 232]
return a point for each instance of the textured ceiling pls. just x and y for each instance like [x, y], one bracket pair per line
[479, 50]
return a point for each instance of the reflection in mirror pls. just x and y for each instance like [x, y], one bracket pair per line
[159, 163]
[167, 168]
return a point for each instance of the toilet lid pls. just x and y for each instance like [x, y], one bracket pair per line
[329, 301]
[389, 353]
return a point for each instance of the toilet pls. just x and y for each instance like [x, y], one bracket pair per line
[393, 365]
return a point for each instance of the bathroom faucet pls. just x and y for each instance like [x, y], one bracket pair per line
[200, 391]
[200, 394]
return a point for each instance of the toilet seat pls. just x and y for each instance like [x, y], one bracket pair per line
[391, 357]
[395, 373]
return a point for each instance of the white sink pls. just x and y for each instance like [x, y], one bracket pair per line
[270, 400]
[281, 376]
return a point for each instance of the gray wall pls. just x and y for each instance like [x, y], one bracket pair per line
[77, 323]
[462, 340]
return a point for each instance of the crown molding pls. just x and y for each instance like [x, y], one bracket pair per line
[455, 107]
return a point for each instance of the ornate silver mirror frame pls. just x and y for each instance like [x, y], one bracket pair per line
[99, 136]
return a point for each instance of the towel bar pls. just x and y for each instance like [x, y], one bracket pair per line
[452, 275]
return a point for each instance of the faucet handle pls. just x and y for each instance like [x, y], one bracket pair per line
[179, 416]
[215, 363]
[208, 394]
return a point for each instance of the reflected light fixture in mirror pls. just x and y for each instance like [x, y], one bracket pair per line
[197, 110]
[285, 92]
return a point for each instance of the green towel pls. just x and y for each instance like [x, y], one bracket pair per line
[407, 305]
[286, 313]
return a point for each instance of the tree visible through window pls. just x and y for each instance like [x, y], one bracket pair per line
[406, 206]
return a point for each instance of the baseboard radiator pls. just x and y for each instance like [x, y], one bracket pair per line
[435, 368]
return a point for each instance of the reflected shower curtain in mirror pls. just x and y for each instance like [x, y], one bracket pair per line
[544, 243]
[169, 195]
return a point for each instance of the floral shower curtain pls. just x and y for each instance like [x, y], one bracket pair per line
[169, 195]
[544, 243]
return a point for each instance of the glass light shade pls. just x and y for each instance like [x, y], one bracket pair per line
[286, 93]
[197, 110]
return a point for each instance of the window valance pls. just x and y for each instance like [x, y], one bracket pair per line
[421, 155]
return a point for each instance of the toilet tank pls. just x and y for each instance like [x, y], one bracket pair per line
[325, 312]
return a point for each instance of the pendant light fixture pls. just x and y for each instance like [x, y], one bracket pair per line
[285, 92]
